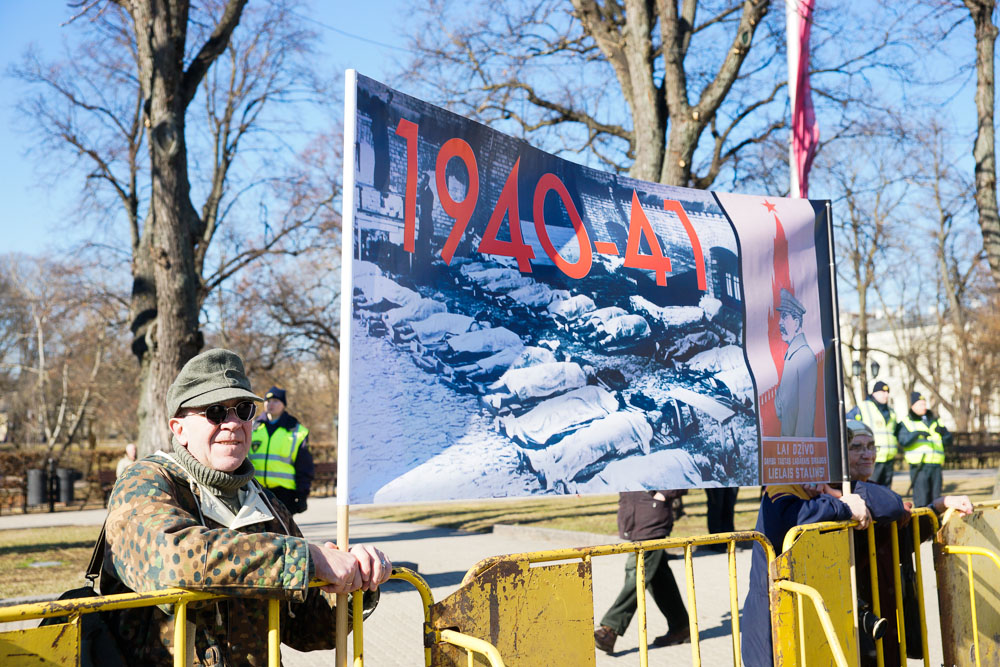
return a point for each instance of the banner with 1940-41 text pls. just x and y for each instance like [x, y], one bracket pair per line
[520, 325]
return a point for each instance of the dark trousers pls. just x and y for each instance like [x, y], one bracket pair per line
[926, 479]
[660, 582]
[883, 473]
[721, 510]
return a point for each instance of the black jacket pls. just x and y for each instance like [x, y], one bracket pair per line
[641, 517]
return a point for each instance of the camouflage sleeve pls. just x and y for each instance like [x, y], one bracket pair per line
[156, 541]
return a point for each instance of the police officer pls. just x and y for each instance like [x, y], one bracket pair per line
[876, 412]
[280, 453]
[923, 439]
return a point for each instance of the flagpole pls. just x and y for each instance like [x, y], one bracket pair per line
[347, 288]
[792, 49]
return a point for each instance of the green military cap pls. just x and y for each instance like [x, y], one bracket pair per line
[789, 304]
[213, 376]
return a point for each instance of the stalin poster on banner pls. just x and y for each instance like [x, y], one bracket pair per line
[516, 324]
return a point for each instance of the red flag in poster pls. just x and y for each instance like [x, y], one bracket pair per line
[805, 132]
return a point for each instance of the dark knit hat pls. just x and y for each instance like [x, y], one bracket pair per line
[276, 393]
[916, 396]
[211, 377]
[880, 386]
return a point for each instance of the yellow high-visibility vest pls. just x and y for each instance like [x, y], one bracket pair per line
[273, 457]
[884, 431]
[923, 449]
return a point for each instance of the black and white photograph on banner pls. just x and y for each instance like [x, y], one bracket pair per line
[524, 325]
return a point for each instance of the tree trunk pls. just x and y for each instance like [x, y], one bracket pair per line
[165, 303]
[984, 150]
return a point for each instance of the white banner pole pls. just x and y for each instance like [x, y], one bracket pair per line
[792, 50]
[346, 290]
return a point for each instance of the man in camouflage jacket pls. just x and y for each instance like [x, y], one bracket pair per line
[193, 518]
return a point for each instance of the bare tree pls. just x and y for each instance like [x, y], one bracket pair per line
[126, 119]
[65, 340]
[940, 293]
[674, 92]
[984, 149]
[868, 173]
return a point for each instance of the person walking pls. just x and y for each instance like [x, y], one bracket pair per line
[646, 515]
[280, 453]
[923, 438]
[876, 412]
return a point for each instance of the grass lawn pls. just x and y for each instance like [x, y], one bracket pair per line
[71, 546]
[596, 514]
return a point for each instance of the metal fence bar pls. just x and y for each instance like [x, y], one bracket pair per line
[873, 578]
[274, 632]
[821, 611]
[900, 620]
[969, 552]
[180, 635]
[734, 605]
[915, 522]
[358, 611]
[640, 594]
[426, 599]
[692, 607]
[472, 645]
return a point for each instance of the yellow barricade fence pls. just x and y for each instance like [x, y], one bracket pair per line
[967, 564]
[537, 608]
[815, 564]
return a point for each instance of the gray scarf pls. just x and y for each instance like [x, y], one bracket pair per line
[224, 485]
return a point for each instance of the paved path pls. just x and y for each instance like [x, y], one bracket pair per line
[393, 634]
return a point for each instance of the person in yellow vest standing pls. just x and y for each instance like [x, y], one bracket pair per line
[923, 439]
[879, 416]
[279, 451]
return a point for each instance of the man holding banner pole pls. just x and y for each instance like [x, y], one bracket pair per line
[195, 518]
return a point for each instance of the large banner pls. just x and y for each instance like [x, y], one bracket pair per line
[516, 324]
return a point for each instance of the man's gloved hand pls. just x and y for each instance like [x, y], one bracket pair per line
[941, 429]
[300, 505]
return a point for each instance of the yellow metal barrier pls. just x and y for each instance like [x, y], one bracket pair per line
[836, 586]
[816, 556]
[537, 611]
[969, 598]
[60, 643]
[824, 616]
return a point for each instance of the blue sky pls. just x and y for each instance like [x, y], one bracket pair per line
[32, 215]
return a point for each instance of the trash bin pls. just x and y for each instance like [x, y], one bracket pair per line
[37, 485]
[66, 477]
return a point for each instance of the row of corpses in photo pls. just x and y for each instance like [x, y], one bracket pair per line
[568, 417]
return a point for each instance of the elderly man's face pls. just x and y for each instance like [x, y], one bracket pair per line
[789, 327]
[861, 457]
[223, 447]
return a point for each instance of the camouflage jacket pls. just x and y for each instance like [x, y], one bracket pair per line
[157, 538]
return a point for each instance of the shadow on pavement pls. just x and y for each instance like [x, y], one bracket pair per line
[433, 580]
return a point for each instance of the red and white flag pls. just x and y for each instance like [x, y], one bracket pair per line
[805, 132]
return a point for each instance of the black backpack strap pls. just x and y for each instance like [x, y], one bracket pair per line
[97, 558]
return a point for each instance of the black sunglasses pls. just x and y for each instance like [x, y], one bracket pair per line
[245, 410]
